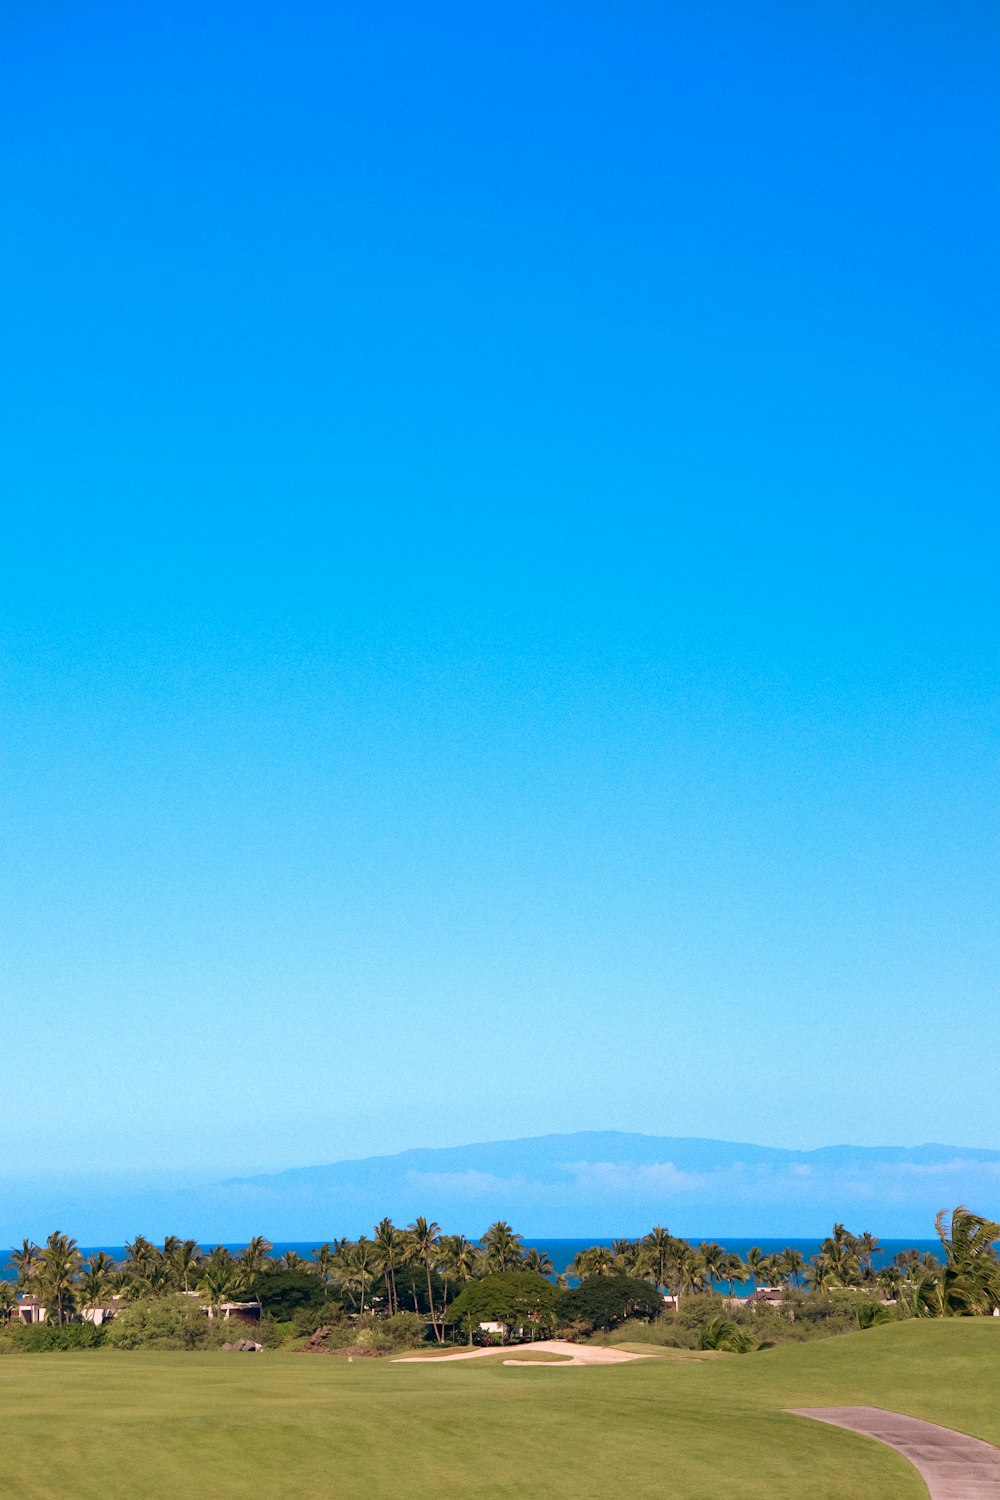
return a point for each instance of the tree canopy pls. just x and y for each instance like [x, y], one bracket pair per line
[605, 1301]
[514, 1298]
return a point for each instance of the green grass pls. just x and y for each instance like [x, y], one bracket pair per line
[106, 1426]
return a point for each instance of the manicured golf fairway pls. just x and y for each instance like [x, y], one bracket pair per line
[106, 1426]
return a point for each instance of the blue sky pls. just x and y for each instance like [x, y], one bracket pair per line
[499, 575]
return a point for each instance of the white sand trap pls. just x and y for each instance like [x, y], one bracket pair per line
[572, 1354]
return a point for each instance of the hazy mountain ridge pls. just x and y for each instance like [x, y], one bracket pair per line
[558, 1152]
[596, 1184]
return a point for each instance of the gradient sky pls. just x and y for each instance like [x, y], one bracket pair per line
[499, 572]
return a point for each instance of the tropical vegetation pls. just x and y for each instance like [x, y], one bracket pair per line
[154, 1295]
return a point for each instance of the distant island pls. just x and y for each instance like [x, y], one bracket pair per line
[591, 1184]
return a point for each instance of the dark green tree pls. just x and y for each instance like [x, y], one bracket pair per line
[602, 1302]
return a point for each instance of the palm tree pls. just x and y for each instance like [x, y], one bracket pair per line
[757, 1266]
[293, 1261]
[690, 1268]
[459, 1259]
[597, 1261]
[819, 1273]
[362, 1262]
[791, 1264]
[538, 1261]
[468, 1260]
[25, 1261]
[501, 1246]
[185, 1260]
[733, 1269]
[255, 1256]
[970, 1279]
[220, 1280]
[842, 1259]
[96, 1280]
[143, 1264]
[8, 1301]
[659, 1242]
[326, 1264]
[867, 1249]
[58, 1266]
[714, 1260]
[389, 1245]
[890, 1282]
[426, 1235]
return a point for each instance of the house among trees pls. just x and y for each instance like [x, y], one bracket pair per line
[28, 1310]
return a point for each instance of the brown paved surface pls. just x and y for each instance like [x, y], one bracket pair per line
[954, 1467]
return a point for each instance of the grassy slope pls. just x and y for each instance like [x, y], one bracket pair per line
[104, 1426]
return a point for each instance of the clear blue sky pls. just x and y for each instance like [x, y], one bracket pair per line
[500, 575]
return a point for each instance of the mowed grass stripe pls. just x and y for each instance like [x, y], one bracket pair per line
[111, 1426]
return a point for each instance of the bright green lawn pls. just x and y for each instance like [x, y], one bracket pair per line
[106, 1426]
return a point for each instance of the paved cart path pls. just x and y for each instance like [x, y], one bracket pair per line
[954, 1467]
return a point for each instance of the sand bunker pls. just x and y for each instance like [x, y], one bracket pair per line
[572, 1354]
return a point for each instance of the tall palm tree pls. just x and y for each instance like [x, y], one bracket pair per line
[185, 1260]
[343, 1266]
[791, 1264]
[714, 1260]
[625, 1253]
[389, 1246]
[143, 1264]
[598, 1260]
[97, 1279]
[691, 1270]
[733, 1269]
[757, 1266]
[364, 1265]
[501, 1247]
[842, 1260]
[220, 1281]
[426, 1237]
[867, 1249]
[8, 1301]
[538, 1261]
[468, 1260]
[453, 1258]
[659, 1242]
[256, 1256]
[58, 1266]
[325, 1262]
[970, 1278]
[819, 1273]
[25, 1261]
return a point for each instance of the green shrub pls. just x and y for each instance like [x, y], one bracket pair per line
[285, 1293]
[405, 1330]
[43, 1338]
[311, 1316]
[175, 1322]
[266, 1332]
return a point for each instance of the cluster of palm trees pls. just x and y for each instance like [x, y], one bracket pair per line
[375, 1273]
[63, 1280]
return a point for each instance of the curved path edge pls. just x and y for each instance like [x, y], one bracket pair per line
[953, 1465]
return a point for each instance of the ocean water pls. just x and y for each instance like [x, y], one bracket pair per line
[562, 1252]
